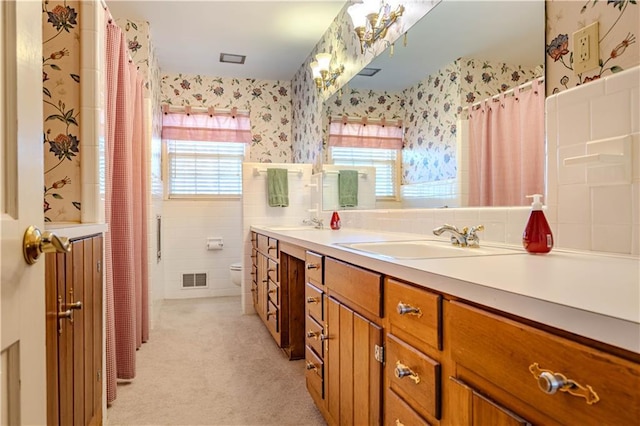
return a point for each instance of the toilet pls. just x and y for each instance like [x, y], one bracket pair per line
[236, 273]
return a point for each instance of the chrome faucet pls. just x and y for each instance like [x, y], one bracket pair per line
[316, 222]
[465, 238]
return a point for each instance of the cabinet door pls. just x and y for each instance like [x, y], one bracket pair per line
[468, 407]
[353, 375]
[74, 343]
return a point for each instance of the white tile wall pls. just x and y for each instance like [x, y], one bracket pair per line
[186, 225]
[594, 213]
[256, 210]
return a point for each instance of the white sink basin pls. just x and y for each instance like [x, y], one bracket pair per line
[424, 249]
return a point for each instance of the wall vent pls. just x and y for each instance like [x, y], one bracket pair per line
[194, 280]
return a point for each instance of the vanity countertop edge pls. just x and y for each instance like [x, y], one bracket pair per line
[76, 230]
[592, 295]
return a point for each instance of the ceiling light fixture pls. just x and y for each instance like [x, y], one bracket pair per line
[323, 74]
[232, 59]
[372, 18]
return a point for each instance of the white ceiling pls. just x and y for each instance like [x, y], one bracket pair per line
[188, 36]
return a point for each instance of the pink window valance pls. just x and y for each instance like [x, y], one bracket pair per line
[365, 135]
[206, 127]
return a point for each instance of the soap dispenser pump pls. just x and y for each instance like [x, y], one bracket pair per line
[537, 237]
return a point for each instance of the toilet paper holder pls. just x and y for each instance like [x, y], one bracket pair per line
[215, 243]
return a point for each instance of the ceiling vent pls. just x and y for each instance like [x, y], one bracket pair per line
[230, 58]
[368, 72]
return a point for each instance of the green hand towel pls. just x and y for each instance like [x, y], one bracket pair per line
[348, 188]
[278, 187]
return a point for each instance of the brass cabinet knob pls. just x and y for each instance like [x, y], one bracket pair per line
[405, 309]
[550, 383]
[311, 300]
[313, 266]
[312, 334]
[65, 314]
[402, 371]
[311, 366]
[75, 305]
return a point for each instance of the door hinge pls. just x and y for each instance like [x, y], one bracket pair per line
[99, 265]
[379, 354]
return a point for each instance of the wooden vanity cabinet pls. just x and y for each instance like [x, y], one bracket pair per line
[353, 361]
[315, 329]
[278, 290]
[413, 344]
[505, 361]
[73, 284]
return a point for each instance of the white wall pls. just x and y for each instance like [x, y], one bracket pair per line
[186, 225]
[256, 210]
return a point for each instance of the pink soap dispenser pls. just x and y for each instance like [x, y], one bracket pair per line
[537, 237]
[335, 221]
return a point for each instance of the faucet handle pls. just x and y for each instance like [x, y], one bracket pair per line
[472, 238]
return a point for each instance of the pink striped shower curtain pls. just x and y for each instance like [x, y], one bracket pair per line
[507, 148]
[127, 324]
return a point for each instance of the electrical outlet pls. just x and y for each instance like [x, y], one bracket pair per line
[586, 50]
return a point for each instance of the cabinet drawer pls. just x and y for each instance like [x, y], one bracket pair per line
[415, 314]
[503, 351]
[268, 246]
[254, 240]
[355, 287]
[413, 376]
[273, 293]
[314, 333]
[272, 317]
[398, 412]
[314, 268]
[314, 373]
[273, 271]
[314, 301]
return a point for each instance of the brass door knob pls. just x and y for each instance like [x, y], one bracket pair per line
[36, 242]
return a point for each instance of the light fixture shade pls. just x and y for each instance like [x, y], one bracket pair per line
[358, 14]
[324, 61]
[315, 69]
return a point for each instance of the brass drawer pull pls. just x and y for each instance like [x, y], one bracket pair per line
[311, 366]
[404, 371]
[312, 334]
[311, 300]
[272, 248]
[270, 313]
[550, 382]
[404, 309]
[272, 291]
[313, 266]
[399, 423]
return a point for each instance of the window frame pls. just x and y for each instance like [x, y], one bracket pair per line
[166, 175]
[396, 168]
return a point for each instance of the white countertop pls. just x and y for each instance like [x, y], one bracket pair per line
[76, 230]
[592, 295]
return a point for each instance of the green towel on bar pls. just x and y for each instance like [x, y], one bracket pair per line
[278, 187]
[348, 188]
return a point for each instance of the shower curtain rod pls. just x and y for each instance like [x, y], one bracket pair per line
[506, 92]
[202, 110]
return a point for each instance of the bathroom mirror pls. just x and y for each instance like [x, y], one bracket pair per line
[472, 42]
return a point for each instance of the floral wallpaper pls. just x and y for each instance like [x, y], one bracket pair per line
[341, 41]
[61, 107]
[619, 22]
[142, 53]
[268, 103]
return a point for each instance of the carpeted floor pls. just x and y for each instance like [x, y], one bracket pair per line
[207, 364]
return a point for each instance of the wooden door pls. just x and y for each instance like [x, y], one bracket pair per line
[22, 337]
[74, 344]
[470, 408]
[354, 376]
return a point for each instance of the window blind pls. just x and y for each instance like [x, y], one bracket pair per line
[198, 168]
[384, 160]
